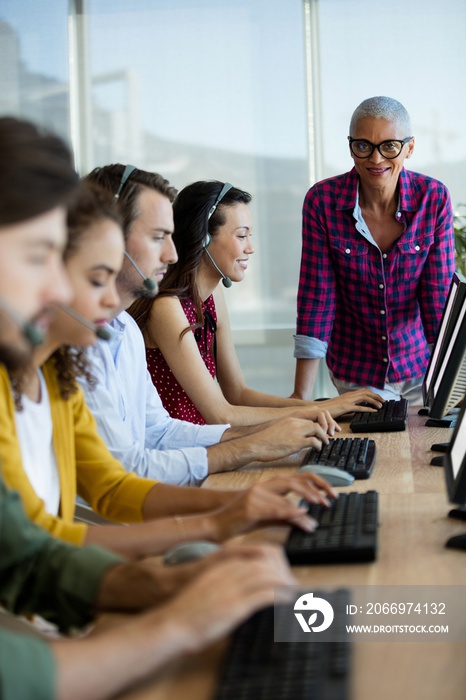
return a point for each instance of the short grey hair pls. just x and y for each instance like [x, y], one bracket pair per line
[383, 108]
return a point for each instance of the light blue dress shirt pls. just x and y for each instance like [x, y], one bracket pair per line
[131, 419]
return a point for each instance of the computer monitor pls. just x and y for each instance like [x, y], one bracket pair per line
[449, 385]
[455, 474]
[453, 305]
[455, 462]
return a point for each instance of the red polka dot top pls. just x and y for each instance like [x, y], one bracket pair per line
[174, 398]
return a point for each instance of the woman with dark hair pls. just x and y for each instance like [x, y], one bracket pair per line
[186, 328]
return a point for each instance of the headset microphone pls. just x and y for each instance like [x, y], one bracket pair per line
[147, 282]
[32, 334]
[226, 281]
[100, 332]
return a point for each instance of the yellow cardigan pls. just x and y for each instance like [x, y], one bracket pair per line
[84, 464]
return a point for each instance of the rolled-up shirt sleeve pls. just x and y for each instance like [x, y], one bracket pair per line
[306, 348]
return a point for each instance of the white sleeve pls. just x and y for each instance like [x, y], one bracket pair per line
[182, 466]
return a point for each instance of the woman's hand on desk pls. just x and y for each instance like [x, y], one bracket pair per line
[266, 503]
[351, 401]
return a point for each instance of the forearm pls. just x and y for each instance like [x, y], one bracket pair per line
[153, 537]
[120, 657]
[139, 586]
[165, 500]
[246, 407]
[134, 586]
[305, 377]
[238, 449]
[240, 431]
[244, 412]
[276, 406]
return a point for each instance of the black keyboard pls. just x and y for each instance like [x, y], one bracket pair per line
[347, 531]
[353, 455]
[391, 417]
[257, 668]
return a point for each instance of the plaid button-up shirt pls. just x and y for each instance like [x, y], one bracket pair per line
[373, 314]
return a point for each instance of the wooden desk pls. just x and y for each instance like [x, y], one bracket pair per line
[413, 529]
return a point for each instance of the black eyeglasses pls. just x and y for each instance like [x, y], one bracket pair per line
[361, 148]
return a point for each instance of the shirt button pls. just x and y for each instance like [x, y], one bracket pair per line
[348, 250]
[381, 286]
[384, 337]
[416, 247]
[382, 311]
[385, 359]
[384, 255]
[398, 214]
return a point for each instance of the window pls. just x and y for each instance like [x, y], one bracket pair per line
[216, 89]
[231, 90]
[412, 50]
[34, 82]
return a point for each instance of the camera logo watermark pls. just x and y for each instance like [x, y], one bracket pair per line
[310, 602]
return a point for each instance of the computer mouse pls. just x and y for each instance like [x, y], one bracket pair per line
[334, 476]
[189, 551]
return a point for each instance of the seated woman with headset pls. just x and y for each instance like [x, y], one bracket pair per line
[186, 327]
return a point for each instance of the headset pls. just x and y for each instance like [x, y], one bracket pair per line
[35, 336]
[99, 331]
[148, 283]
[226, 281]
[32, 334]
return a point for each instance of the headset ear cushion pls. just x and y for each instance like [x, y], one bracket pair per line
[207, 240]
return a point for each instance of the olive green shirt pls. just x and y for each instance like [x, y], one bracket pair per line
[41, 575]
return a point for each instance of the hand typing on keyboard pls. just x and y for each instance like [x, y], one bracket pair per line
[354, 455]
[317, 415]
[358, 400]
[347, 532]
[230, 590]
[391, 417]
[266, 502]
